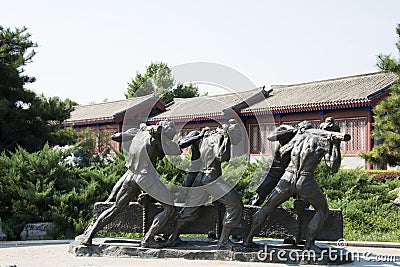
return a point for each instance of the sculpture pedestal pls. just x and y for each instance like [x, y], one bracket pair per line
[203, 248]
[282, 224]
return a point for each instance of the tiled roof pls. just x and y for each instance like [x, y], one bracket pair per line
[210, 106]
[349, 91]
[106, 110]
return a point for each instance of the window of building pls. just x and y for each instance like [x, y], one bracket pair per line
[357, 128]
[258, 133]
[266, 145]
[254, 136]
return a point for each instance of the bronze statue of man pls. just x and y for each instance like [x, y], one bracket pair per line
[192, 139]
[128, 135]
[147, 146]
[270, 177]
[306, 150]
[214, 148]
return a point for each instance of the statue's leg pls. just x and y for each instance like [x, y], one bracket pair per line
[189, 213]
[233, 216]
[158, 190]
[186, 215]
[186, 186]
[125, 194]
[280, 194]
[117, 187]
[173, 239]
[265, 188]
[313, 194]
[158, 223]
[195, 198]
[190, 178]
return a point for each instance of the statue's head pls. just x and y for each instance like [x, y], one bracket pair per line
[142, 126]
[166, 128]
[234, 132]
[304, 125]
[282, 133]
[330, 120]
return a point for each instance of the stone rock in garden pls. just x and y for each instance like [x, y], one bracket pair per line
[3, 236]
[36, 231]
[397, 200]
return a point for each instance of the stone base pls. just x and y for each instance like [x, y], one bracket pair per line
[202, 248]
[282, 224]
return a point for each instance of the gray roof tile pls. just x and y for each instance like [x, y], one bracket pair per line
[106, 110]
[210, 106]
[333, 92]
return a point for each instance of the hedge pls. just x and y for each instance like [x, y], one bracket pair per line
[40, 187]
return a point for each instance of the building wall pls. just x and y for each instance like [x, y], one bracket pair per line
[356, 122]
[101, 133]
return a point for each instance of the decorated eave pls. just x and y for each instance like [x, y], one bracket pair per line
[308, 107]
[359, 91]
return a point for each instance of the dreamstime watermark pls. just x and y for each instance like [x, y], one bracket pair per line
[332, 254]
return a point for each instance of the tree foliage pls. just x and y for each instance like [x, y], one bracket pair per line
[26, 119]
[387, 116]
[159, 81]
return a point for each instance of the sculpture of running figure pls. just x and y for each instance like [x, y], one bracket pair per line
[271, 176]
[306, 149]
[192, 139]
[147, 146]
[215, 148]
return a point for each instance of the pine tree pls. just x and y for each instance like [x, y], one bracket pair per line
[387, 116]
[26, 119]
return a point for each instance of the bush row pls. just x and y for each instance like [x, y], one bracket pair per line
[39, 187]
[380, 175]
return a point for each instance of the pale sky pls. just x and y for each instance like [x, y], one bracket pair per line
[89, 50]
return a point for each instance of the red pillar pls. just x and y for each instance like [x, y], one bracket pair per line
[370, 141]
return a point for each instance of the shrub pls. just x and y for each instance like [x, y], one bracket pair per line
[380, 175]
[39, 187]
[365, 203]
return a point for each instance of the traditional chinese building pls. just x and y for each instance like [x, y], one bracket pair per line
[105, 119]
[348, 99]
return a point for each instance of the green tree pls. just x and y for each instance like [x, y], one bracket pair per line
[158, 80]
[387, 116]
[26, 119]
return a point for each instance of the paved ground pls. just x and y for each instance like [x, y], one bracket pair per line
[35, 254]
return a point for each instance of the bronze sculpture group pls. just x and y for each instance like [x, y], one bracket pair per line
[298, 151]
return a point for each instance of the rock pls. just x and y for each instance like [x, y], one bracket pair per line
[397, 201]
[3, 236]
[395, 191]
[35, 231]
